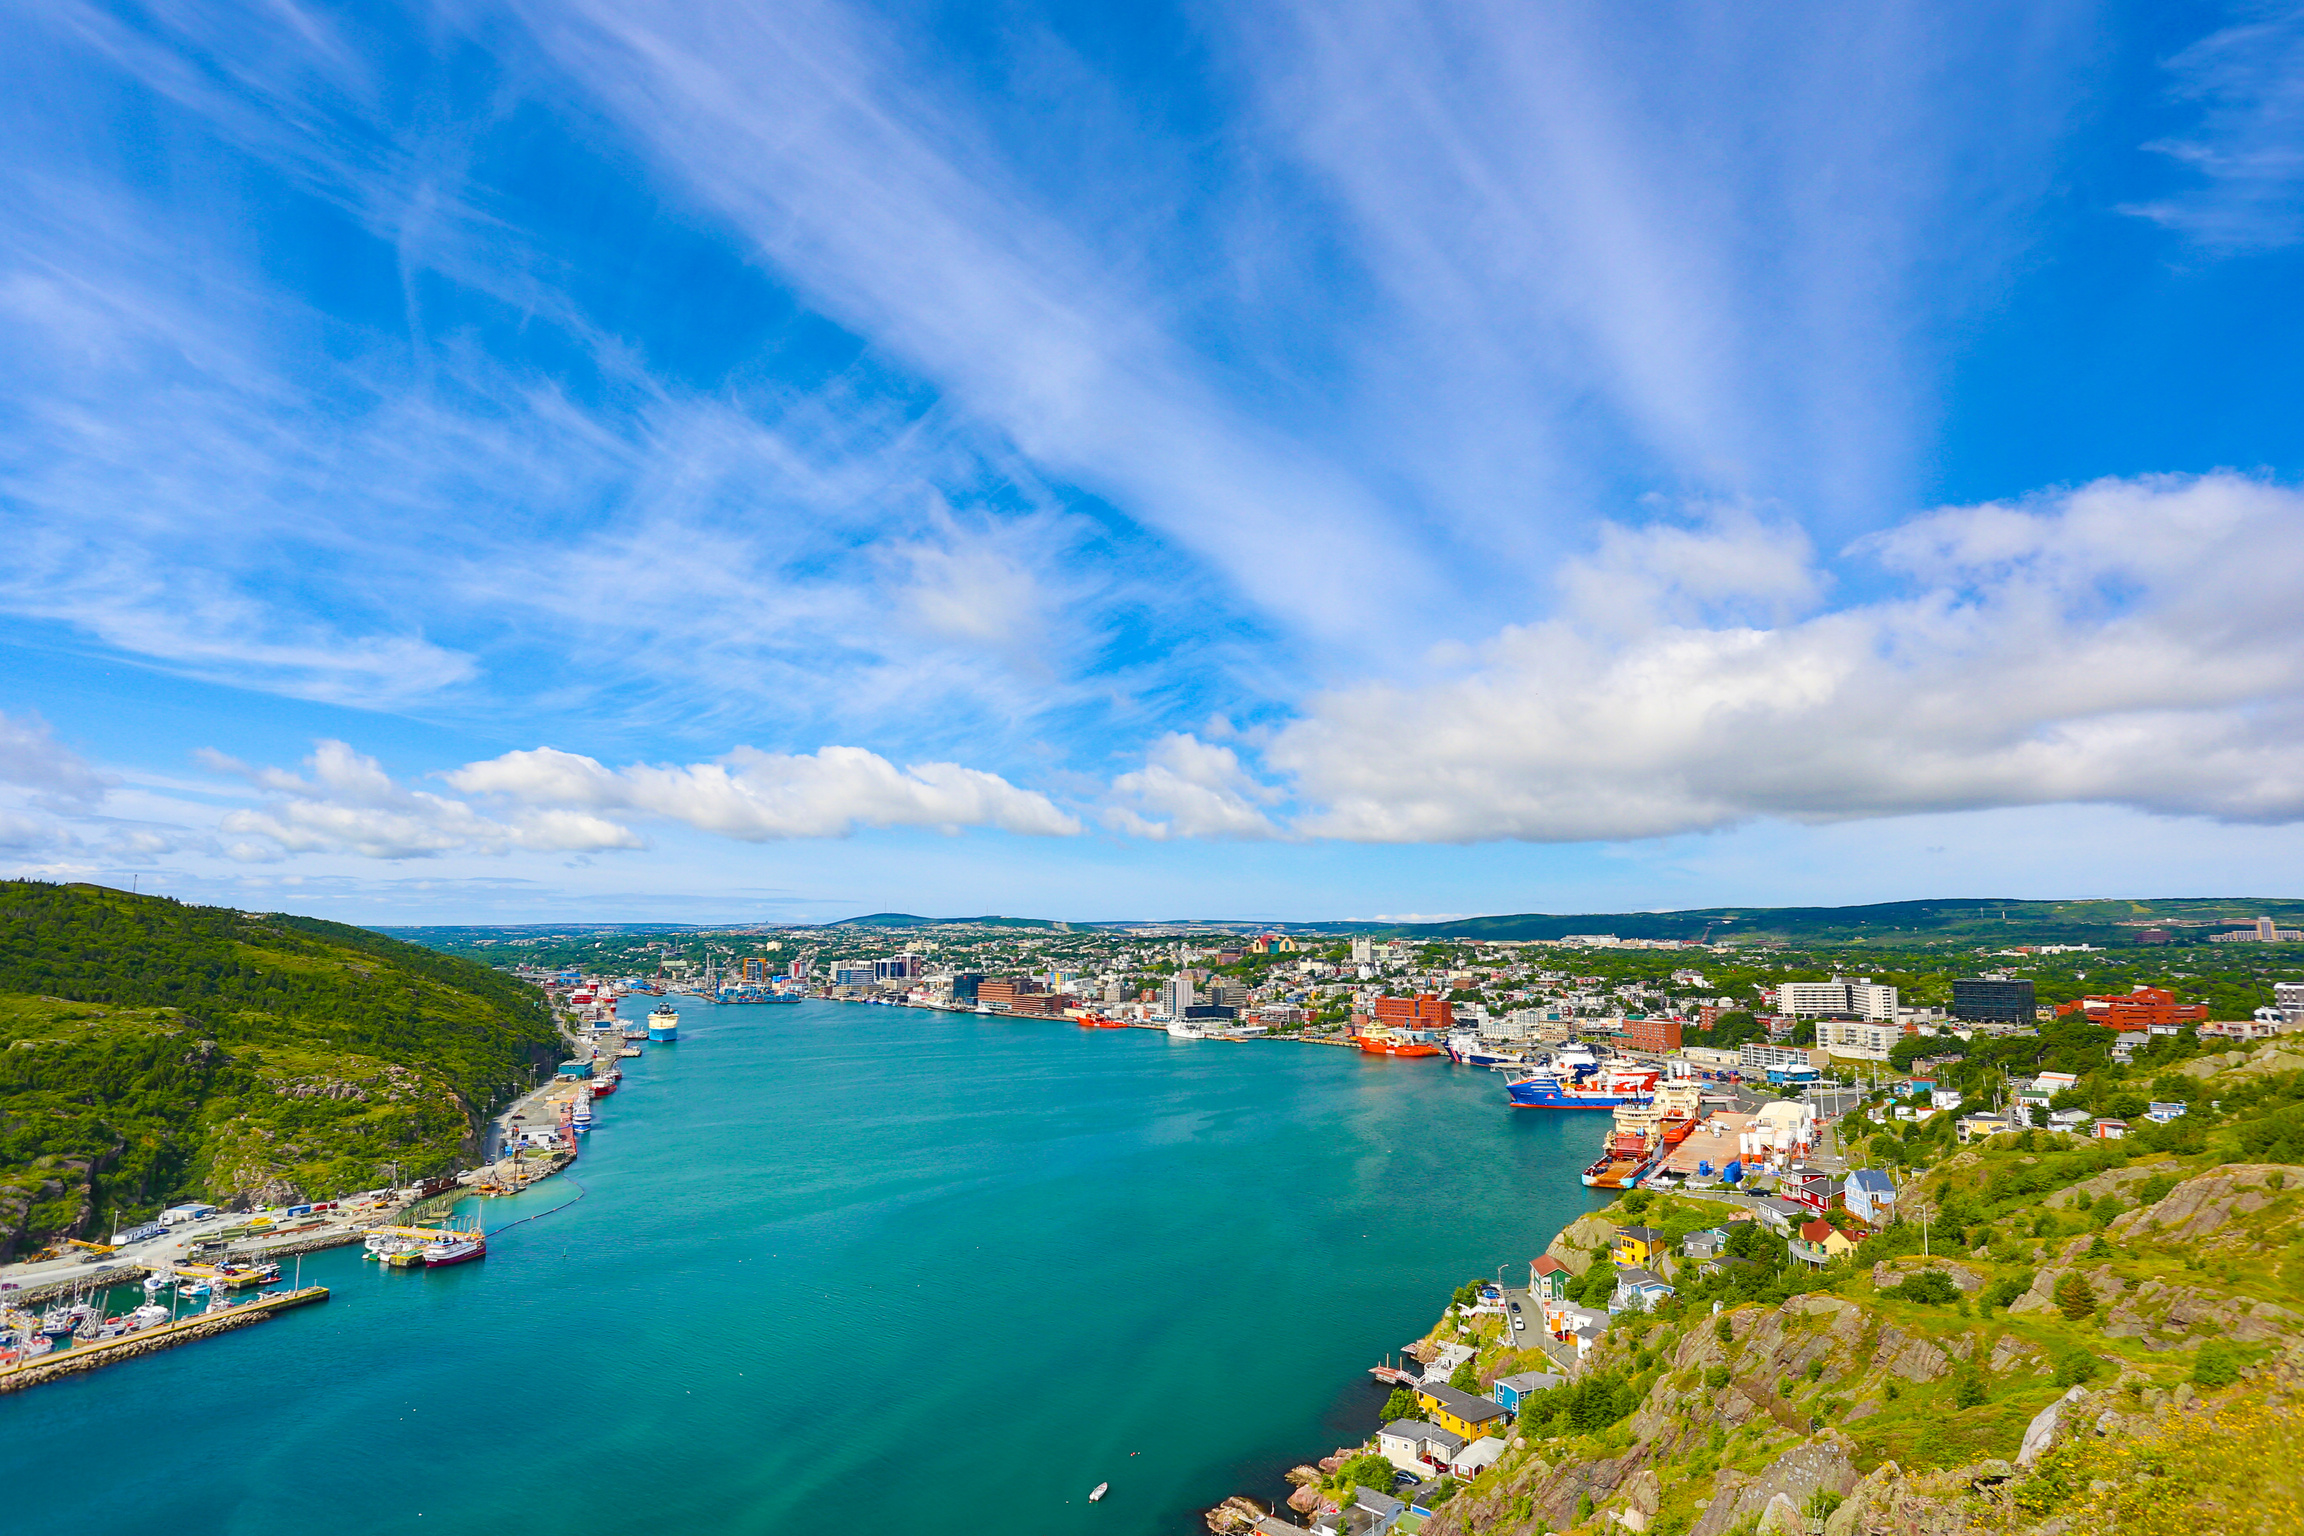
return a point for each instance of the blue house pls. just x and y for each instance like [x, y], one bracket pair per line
[1511, 1389]
[1870, 1196]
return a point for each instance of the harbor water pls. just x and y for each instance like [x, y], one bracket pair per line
[852, 1267]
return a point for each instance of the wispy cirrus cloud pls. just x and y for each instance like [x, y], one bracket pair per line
[2246, 81]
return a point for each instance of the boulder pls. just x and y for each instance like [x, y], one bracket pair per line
[1782, 1517]
[1573, 1247]
[1645, 1492]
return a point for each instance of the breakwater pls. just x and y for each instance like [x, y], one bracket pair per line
[89, 1357]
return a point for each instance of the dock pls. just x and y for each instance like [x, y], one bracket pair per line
[89, 1357]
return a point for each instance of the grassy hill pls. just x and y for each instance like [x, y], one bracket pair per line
[2100, 1336]
[152, 1051]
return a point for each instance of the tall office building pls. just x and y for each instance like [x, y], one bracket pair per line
[1981, 1001]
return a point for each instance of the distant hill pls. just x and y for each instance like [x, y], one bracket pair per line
[1958, 918]
[907, 920]
[152, 1051]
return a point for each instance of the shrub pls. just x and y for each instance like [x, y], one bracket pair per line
[1370, 1471]
[2074, 1299]
[1970, 1391]
[1716, 1376]
[1465, 1378]
[1931, 1286]
[2216, 1365]
[1815, 1371]
[2076, 1366]
[1401, 1405]
[1722, 1330]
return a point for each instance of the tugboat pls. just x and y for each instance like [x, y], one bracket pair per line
[664, 1024]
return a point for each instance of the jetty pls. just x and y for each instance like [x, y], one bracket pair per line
[89, 1357]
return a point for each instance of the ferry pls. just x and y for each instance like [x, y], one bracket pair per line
[664, 1024]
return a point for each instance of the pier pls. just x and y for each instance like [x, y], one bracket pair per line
[88, 1357]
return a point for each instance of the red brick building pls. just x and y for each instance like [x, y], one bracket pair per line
[1657, 1035]
[1425, 1012]
[2144, 1008]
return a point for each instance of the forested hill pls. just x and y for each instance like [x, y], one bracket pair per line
[157, 1051]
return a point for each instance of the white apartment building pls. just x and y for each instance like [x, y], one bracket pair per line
[1808, 999]
[1865, 1041]
[1177, 995]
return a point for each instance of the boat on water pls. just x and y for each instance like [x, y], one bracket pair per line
[1380, 1040]
[1624, 1159]
[1098, 1021]
[458, 1248]
[636, 1032]
[156, 1285]
[1565, 1084]
[604, 1086]
[1097, 1492]
[581, 1115]
[1470, 1050]
[1187, 1029]
[664, 1024]
[751, 995]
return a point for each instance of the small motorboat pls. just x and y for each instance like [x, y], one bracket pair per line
[1098, 1492]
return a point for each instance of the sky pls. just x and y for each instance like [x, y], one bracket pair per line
[508, 462]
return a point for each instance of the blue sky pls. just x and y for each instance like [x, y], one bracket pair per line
[594, 460]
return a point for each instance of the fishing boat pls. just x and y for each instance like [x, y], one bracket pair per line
[581, 1116]
[604, 1086]
[158, 1285]
[1097, 1493]
[664, 1025]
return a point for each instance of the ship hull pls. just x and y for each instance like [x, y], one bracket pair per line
[1552, 1096]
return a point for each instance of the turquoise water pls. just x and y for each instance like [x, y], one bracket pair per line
[896, 1269]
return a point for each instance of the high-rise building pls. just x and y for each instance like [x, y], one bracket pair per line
[1177, 995]
[964, 986]
[1981, 1000]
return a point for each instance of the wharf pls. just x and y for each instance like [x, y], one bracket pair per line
[88, 1357]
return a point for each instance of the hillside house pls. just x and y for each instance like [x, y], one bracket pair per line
[1460, 1413]
[1637, 1247]
[1510, 1390]
[1415, 1446]
[1708, 1243]
[1870, 1196]
[1637, 1290]
[1548, 1280]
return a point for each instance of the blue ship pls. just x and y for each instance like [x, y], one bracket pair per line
[1610, 1089]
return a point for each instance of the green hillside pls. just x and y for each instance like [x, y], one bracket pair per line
[1970, 919]
[155, 1052]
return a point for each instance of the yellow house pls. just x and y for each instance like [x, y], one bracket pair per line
[1460, 1413]
[1638, 1247]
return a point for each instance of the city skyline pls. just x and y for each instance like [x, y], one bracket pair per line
[507, 463]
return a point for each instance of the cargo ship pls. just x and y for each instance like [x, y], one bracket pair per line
[1555, 1086]
[664, 1024]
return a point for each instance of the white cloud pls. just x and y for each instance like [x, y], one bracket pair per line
[1200, 789]
[351, 805]
[2132, 642]
[2248, 147]
[757, 796]
[32, 758]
